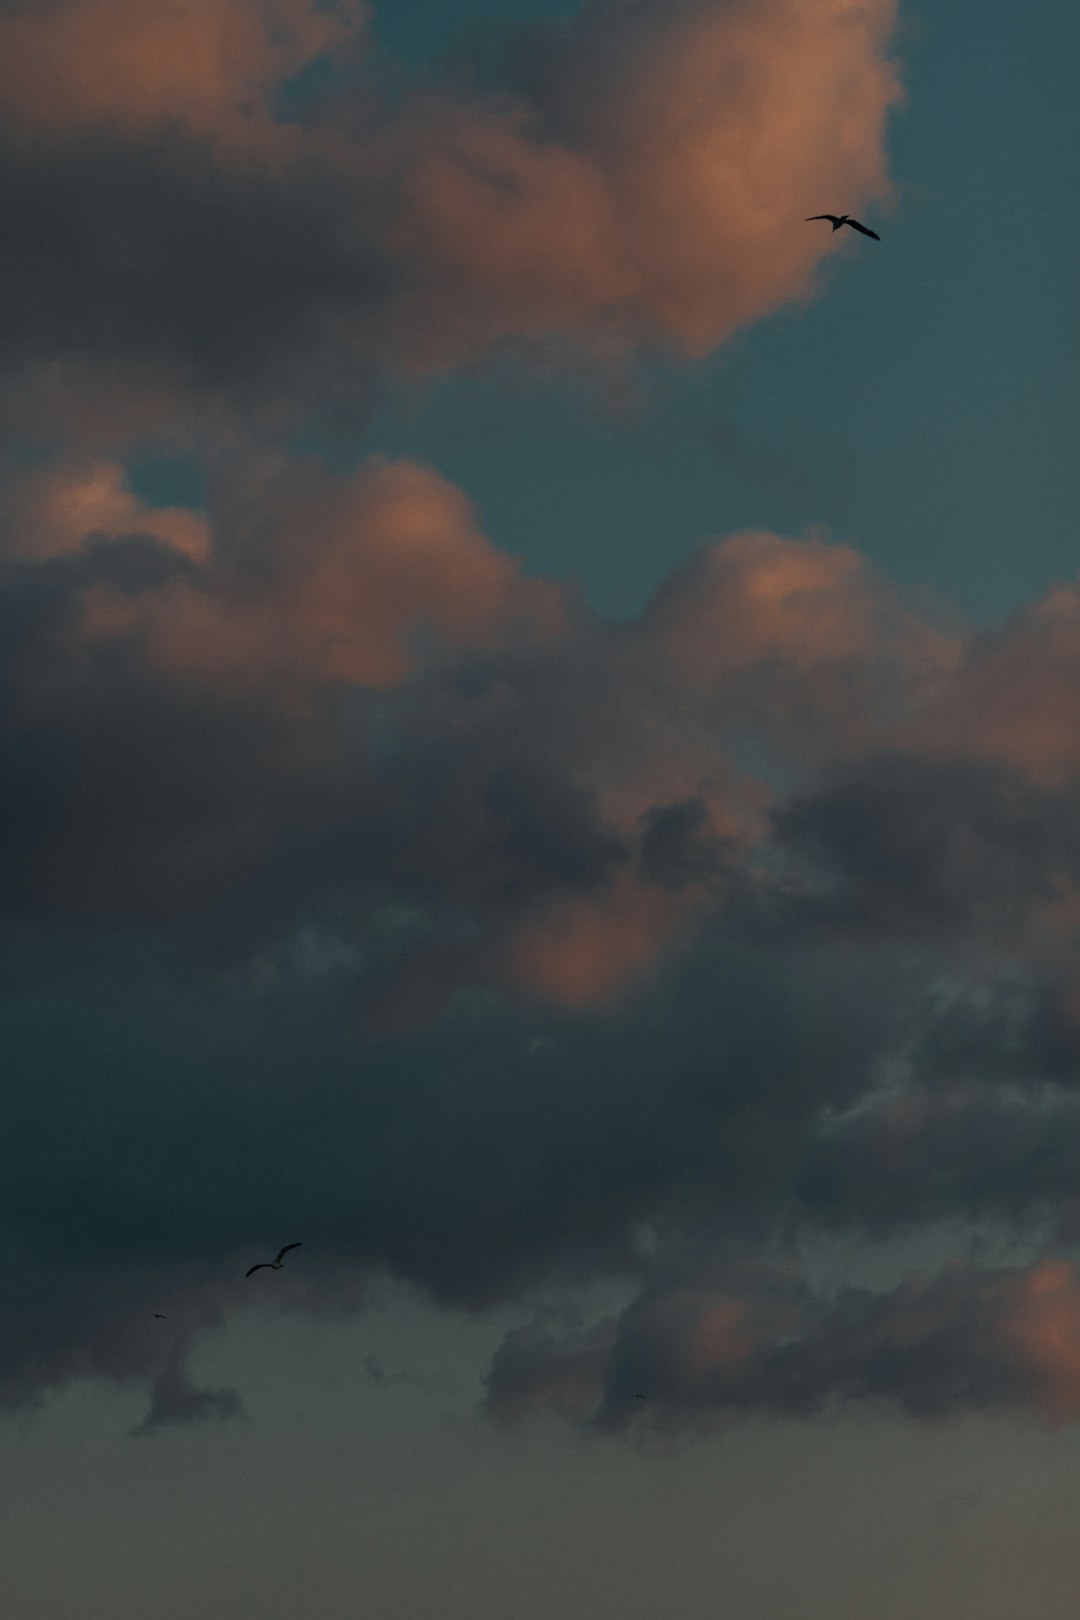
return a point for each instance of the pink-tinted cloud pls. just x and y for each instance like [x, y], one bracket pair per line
[583, 952]
[798, 641]
[599, 784]
[352, 575]
[702, 1332]
[648, 185]
[757, 597]
[1043, 1329]
[297, 583]
[50, 512]
[396, 550]
[660, 193]
[1016, 697]
[209, 65]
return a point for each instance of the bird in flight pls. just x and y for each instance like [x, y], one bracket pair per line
[159, 1318]
[274, 1265]
[846, 219]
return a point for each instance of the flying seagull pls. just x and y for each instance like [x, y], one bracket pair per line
[274, 1265]
[846, 219]
[159, 1318]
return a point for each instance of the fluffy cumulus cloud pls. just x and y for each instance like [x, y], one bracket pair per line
[353, 878]
[232, 199]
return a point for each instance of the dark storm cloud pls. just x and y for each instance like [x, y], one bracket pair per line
[414, 1154]
[447, 1155]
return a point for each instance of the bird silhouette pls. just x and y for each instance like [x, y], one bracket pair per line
[274, 1265]
[159, 1318]
[846, 219]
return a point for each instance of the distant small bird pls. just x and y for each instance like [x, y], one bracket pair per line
[159, 1318]
[846, 219]
[274, 1265]
[639, 1397]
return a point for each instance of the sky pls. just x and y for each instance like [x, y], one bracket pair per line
[539, 697]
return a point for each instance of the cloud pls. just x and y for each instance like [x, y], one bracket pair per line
[314, 830]
[580, 952]
[188, 1113]
[1043, 1331]
[1015, 698]
[183, 233]
[350, 874]
[52, 510]
[82, 65]
[763, 1344]
[532, 1369]
[121, 647]
[68, 1321]
[342, 675]
[173, 1401]
[909, 841]
[707, 122]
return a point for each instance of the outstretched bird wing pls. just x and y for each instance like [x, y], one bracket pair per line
[831, 217]
[283, 1252]
[263, 1265]
[865, 229]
